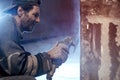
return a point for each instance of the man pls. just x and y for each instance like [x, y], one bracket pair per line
[14, 60]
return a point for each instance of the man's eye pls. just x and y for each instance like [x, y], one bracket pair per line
[36, 15]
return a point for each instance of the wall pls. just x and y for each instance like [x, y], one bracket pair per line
[100, 30]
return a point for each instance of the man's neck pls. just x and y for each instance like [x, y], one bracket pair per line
[18, 22]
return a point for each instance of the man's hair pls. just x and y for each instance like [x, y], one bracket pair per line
[26, 5]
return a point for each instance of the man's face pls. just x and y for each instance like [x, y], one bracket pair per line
[29, 19]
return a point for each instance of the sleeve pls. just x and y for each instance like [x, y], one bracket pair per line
[27, 64]
[14, 60]
[45, 61]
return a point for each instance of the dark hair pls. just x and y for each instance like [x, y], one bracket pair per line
[26, 6]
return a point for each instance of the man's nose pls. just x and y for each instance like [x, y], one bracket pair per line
[38, 20]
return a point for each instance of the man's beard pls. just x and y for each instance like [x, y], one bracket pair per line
[28, 25]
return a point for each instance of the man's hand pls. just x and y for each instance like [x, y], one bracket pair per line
[59, 53]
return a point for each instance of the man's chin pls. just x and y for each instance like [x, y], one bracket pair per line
[28, 30]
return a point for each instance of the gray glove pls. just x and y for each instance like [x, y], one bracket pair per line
[59, 53]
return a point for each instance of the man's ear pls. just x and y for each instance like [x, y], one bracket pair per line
[20, 11]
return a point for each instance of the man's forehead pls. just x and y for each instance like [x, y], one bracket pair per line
[36, 8]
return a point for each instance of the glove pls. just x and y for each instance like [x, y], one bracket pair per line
[59, 53]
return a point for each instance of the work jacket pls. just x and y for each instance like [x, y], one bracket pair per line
[14, 60]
